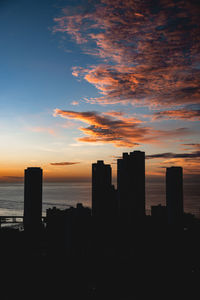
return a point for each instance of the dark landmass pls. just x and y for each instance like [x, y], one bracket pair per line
[80, 257]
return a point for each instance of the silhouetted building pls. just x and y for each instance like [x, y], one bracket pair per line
[159, 213]
[103, 193]
[131, 185]
[174, 194]
[69, 230]
[33, 198]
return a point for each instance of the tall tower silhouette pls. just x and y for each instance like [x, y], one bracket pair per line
[131, 185]
[32, 198]
[174, 194]
[103, 193]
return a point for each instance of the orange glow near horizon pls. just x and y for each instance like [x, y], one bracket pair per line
[50, 173]
[75, 171]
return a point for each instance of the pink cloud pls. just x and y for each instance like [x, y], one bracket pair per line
[74, 103]
[151, 57]
[43, 129]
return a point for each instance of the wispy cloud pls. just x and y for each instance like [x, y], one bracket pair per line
[43, 129]
[64, 163]
[106, 129]
[183, 114]
[191, 146]
[149, 51]
[195, 154]
[121, 131]
[74, 103]
[190, 161]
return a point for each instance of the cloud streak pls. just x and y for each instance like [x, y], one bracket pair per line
[182, 114]
[195, 154]
[117, 129]
[190, 161]
[43, 130]
[64, 163]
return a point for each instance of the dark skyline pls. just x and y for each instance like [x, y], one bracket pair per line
[126, 201]
[111, 249]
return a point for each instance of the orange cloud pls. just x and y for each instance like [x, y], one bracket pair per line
[122, 131]
[106, 129]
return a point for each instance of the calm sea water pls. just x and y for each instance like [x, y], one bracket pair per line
[63, 195]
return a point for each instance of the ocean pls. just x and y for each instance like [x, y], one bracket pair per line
[62, 195]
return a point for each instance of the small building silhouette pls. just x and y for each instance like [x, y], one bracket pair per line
[159, 213]
[69, 230]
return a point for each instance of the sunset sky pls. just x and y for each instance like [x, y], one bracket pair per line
[82, 81]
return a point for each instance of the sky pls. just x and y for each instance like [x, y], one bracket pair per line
[82, 81]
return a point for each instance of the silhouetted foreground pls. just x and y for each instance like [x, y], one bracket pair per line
[81, 257]
[112, 251]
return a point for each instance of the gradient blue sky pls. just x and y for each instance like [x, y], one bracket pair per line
[123, 98]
